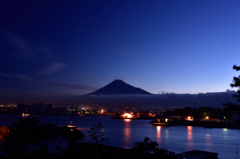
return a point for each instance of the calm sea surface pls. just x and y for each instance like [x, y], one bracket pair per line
[124, 133]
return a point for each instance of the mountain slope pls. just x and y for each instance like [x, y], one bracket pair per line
[118, 87]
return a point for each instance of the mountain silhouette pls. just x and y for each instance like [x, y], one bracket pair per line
[118, 87]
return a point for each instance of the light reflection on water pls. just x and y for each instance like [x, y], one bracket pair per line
[189, 137]
[124, 133]
[208, 141]
[127, 120]
[127, 132]
[166, 134]
[158, 134]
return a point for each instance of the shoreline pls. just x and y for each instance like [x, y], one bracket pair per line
[149, 118]
[206, 124]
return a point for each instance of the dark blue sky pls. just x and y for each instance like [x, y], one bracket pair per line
[75, 47]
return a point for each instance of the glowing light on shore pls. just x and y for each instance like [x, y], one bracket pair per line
[71, 126]
[24, 115]
[189, 118]
[126, 115]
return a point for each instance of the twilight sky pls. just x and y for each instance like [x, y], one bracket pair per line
[53, 47]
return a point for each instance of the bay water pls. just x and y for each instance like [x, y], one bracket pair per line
[124, 133]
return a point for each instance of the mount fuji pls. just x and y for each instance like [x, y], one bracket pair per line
[119, 87]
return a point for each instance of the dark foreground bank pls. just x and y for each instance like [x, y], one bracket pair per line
[88, 151]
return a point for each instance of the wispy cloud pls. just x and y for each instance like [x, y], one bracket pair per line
[54, 67]
[74, 86]
[23, 48]
[15, 76]
[43, 50]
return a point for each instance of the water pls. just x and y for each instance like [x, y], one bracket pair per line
[124, 133]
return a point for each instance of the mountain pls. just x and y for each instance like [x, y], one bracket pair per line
[118, 87]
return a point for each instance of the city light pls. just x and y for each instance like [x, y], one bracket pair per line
[24, 115]
[127, 115]
[71, 126]
[189, 118]
[166, 120]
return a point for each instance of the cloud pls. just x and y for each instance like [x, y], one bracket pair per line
[24, 49]
[54, 67]
[74, 86]
[43, 50]
[15, 76]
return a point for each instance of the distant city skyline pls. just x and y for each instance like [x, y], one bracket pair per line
[70, 48]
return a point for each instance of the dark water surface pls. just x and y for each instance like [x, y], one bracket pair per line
[124, 133]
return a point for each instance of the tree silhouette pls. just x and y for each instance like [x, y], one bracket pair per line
[97, 133]
[25, 130]
[71, 133]
[147, 149]
[235, 84]
[47, 130]
[147, 146]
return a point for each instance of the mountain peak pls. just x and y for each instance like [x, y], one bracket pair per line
[118, 87]
[118, 80]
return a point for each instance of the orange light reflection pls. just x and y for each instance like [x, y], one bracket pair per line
[127, 120]
[158, 134]
[127, 133]
[189, 137]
